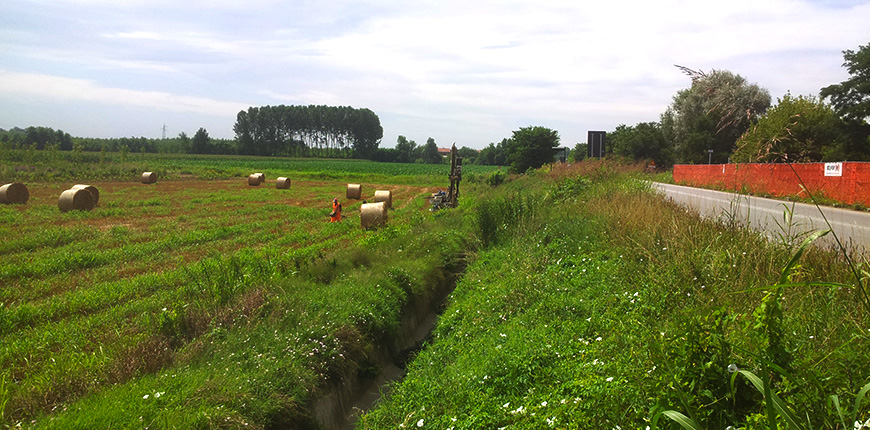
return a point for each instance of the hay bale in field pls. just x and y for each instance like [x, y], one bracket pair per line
[95, 193]
[261, 177]
[149, 178]
[254, 180]
[14, 193]
[373, 214]
[385, 196]
[354, 191]
[283, 183]
[79, 200]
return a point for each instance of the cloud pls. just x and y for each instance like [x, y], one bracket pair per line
[66, 89]
[455, 67]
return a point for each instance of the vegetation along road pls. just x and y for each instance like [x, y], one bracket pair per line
[787, 221]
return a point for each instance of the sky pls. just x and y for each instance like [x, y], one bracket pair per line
[467, 72]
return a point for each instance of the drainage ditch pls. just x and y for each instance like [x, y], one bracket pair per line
[342, 405]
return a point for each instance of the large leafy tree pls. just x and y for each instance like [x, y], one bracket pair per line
[643, 141]
[494, 155]
[796, 129]
[406, 149]
[45, 137]
[468, 155]
[201, 143]
[712, 114]
[532, 147]
[851, 99]
[430, 154]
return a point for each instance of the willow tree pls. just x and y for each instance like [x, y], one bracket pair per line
[711, 115]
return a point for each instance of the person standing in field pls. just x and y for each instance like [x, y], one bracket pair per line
[335, 216]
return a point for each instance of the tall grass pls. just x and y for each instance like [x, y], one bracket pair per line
[609, 306]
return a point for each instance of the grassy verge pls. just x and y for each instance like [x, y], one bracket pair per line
[597, 305]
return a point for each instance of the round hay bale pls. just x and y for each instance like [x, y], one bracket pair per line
[373, 214]
[354, 191]
[15, 193]
[95, 193]
[149, 178]
[385, 196]
[79, 200]
[254, 180]
[261, 177]
[283, 183]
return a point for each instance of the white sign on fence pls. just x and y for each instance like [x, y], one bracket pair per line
[833, 169]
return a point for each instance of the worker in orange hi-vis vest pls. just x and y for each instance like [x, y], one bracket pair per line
[335, 216]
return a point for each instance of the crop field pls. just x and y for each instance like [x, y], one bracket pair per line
[90, 300]
[30, 166]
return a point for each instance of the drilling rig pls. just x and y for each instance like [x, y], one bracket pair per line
[450, 199]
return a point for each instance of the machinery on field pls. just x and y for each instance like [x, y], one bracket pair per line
[450, 199]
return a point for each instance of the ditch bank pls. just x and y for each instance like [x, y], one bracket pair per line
[339, 406]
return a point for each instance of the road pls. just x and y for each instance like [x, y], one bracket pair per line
[768, 215]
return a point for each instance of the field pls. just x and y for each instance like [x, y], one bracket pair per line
[581, 300]
[54, 166]
[96, 299]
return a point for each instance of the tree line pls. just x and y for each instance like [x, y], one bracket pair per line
[308, 131]
[723, 118]
[514, 151]
[45, 138]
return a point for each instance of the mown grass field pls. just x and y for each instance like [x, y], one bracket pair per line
[173, 278]
[55, 166]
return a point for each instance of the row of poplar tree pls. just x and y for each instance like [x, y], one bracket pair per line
[296, 131]
[308, 131]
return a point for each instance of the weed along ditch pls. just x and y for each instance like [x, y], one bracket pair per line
[572, 296]
[341, 405]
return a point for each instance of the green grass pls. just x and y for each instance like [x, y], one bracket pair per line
[596, 304]
[94, 302]
[587, 301]
[47, 166]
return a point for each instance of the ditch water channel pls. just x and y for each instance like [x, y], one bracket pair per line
[342, 405]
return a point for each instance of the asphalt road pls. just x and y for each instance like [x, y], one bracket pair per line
[769, 216]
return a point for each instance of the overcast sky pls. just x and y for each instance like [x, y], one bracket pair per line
[461, 71]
